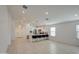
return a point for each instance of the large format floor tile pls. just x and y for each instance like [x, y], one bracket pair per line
[24, 46]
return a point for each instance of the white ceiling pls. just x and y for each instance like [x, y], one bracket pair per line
[36, 14]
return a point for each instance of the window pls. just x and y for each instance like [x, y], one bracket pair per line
[53, 31]
[77, 31]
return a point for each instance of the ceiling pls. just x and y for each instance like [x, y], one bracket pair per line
[35, 14]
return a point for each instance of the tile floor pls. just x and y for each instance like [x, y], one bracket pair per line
[24, 46]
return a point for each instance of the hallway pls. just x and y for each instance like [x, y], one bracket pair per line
[23, 46]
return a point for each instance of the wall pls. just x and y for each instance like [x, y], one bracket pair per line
[22, 30]
[66, 32]
[5, 29]
[13, 29]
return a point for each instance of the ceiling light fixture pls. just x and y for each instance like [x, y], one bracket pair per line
[76, 15]
[46, 13]
[24, 6]
[23, 12]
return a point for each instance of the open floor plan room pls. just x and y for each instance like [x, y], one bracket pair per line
[39, 29]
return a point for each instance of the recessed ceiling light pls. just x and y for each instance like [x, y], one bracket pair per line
[76, 15]
[23, 12]
[46, 13]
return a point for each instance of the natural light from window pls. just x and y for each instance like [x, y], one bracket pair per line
[53, 31]
[77, 31]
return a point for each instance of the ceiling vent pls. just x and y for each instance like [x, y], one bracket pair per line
[24, 6]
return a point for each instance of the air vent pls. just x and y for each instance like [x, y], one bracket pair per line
[24, 6]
